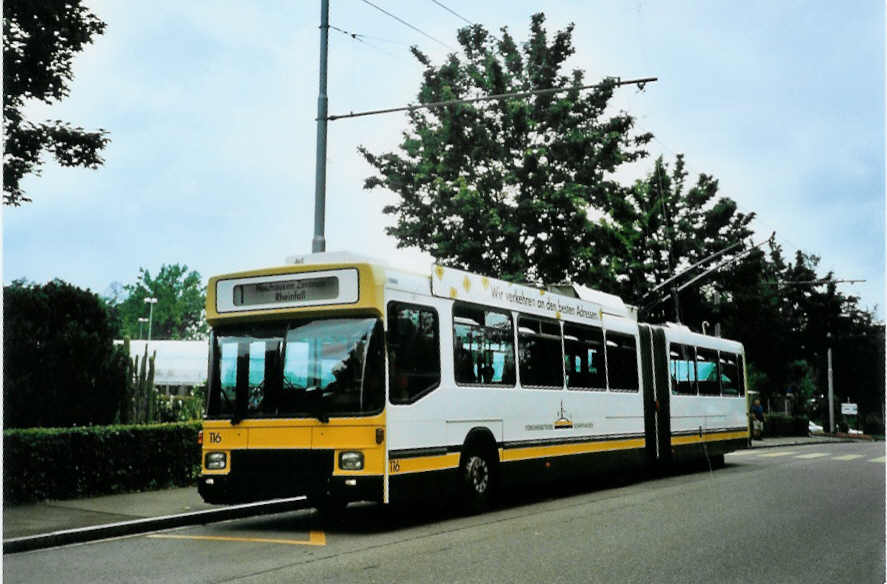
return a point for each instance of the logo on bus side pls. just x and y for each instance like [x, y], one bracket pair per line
[563, 421]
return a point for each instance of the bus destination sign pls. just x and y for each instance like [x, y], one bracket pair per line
[276, 291]
[286, 291]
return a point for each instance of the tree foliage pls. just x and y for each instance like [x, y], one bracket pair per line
[178, 313]
[60, 367]
[523, 189]
[788, 315]
[40, 40]
[514, 187]
[671, 226]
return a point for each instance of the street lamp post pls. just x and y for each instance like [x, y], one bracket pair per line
[142, 319]
[150, 301]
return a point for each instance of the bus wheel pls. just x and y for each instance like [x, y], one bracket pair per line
[478, 476]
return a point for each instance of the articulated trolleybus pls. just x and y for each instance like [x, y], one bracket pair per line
[343, 379]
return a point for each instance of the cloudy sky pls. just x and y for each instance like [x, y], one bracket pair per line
[211, 108]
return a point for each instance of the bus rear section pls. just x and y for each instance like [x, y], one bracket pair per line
[296, 393]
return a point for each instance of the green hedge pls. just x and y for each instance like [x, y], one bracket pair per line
[64, 463]
[782, 425]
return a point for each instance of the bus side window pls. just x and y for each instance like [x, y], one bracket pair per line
[413, 352]
[708, 371]
[539, 353]
[483, 350]
[622, 361]
[584, 357]
[682, 368]
[731, 374]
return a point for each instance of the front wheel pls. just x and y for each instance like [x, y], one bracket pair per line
[478, 479]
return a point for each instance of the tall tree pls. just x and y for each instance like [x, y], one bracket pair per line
[178, 313]
[40, 40]
[672, 226]
[518, 187]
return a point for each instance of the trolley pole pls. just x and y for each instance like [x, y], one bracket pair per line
[319, 242]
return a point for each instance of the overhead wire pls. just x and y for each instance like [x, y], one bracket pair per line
[405, 23]
[453, 12]
[361, 38]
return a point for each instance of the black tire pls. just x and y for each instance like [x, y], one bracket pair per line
[478, 480]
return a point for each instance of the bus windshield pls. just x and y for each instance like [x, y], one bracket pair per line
[312, 367]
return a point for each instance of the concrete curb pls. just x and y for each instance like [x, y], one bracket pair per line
[774, 443]
[109, 530]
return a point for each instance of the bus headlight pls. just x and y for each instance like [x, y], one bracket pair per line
[215, 460]
[351, 460]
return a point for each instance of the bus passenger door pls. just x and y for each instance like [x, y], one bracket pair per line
[654, 368]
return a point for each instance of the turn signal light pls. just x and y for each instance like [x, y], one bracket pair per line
[200, 438]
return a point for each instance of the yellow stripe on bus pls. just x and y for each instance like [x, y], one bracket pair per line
[708, 437]
[531, 452]
[451, 460]
[423, 463]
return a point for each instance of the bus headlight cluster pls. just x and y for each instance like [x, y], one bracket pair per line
[215, 460]
[351, 460]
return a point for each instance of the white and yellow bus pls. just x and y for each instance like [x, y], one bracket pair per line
[344, 379]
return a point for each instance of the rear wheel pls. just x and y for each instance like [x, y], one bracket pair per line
[478, 480]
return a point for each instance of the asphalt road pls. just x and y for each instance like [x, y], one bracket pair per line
[809, 514]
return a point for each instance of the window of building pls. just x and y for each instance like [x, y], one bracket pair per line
[413, 352]
[483, 349]
[539, 352]
[708, 372]
[622, 361]
[682, 368]
[584, 357]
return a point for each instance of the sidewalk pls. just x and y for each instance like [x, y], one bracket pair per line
[52, 523]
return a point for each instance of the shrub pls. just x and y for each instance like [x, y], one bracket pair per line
[60, 366]
[62, 463]
[782, 425]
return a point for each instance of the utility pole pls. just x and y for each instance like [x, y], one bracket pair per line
[319, 242]
[831, 389]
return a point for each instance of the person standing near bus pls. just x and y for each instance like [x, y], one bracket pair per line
[757, 413]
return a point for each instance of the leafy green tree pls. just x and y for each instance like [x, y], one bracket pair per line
[178, 313]
[518, 187]
[60, 367]
[40, 40]
[670, 227]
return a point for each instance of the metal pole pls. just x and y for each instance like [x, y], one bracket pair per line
[677, 305]
[150, 317]
[831, 394]
[319, 242]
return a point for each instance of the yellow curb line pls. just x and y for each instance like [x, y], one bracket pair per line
[316, 538]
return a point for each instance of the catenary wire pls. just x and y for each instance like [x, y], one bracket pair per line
[405, 23]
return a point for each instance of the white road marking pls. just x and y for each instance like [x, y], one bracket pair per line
[848, 457]
[881, 459]
[813, 455]
[775, 454]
